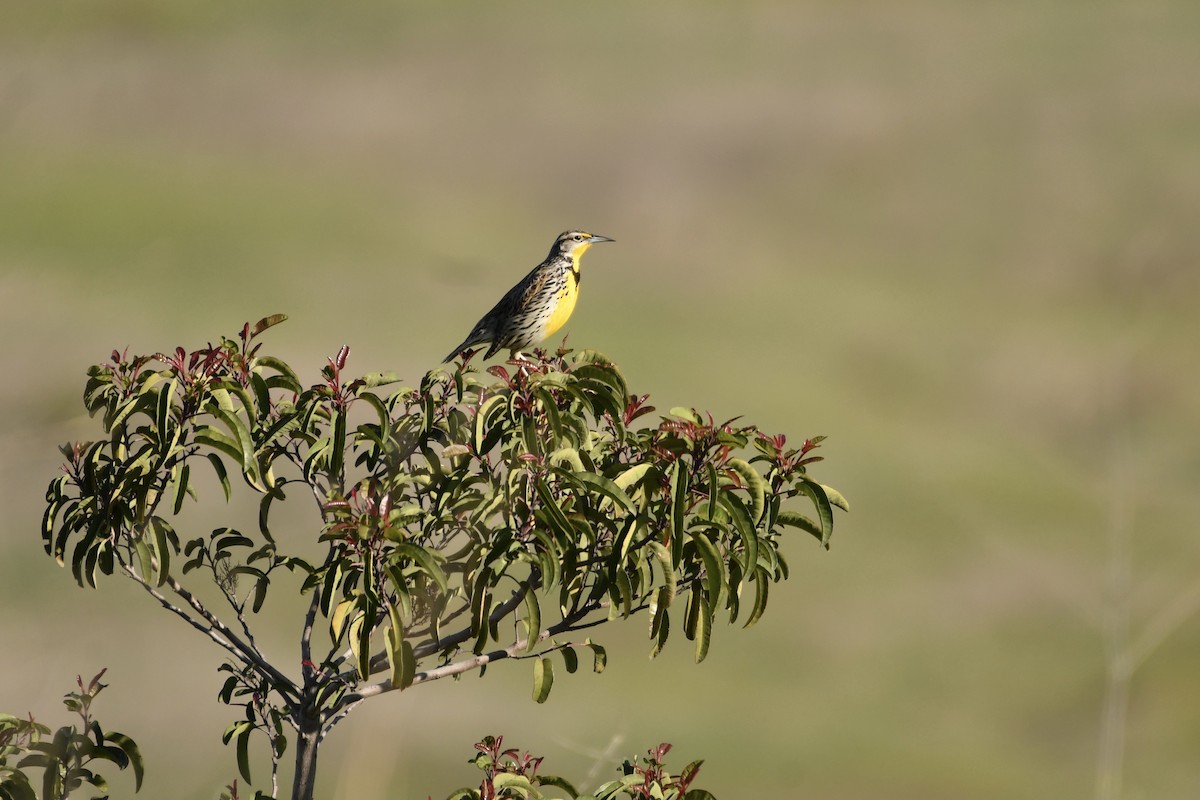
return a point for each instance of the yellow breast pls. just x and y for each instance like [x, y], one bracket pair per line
[564, 305]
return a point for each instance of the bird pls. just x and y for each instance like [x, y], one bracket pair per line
[539, 304]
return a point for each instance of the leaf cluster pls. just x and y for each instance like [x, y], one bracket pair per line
[509, 774]
[67, 758]
[471, 518]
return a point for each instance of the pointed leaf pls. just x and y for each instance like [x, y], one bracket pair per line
[755, 485]
[533, 619]
[543, 679]
[762, 587]
[704, 622]
[599, 655]
[264, 323]
[222, 476]
[632, 475]
[713, 568]
[800, 521]
[836, 498]
[816, 493]
[608, 489]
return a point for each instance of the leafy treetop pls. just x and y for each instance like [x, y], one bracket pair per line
[472, 518]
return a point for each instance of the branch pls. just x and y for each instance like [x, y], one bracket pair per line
[207, 630]
[498, 613]
[380, 660]
[238, 608]
[569, 625]
[230, 641]
[310, 618]
[453, 615]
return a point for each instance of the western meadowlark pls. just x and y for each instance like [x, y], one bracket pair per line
[539, 304]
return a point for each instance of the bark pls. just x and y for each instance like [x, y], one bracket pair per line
[306, 758]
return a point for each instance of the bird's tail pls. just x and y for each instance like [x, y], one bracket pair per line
[470, 341]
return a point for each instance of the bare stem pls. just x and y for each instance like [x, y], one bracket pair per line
[244, 652]
[166, 603]
[569, 625]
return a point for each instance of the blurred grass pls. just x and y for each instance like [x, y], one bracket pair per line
[957, 238]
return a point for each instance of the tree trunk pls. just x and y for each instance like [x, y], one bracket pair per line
[306, 758]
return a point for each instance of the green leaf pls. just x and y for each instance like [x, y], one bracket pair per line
[543, 679]
[360, 637]
[401, 660]
[816, 493]
[381, 411]
[131, 751]
[755, 485]
[337, 622]
[688, 414]
[208, 435]
[607, 488]
[668, 571]
[286, 376]
[262, 396]
[744, 527]
[762, 587]
[331, 581]
[632, 475]
[558, 783]
[162, 415]
[704, 622]
[508, 783]
[241, 434]
[679, 501]
[425, 560]
[796, 520]
[374, 379]
[691, 611]
[567, 456]
[337, 446]
[836, 498]
[660, 624]
[260, 593]
[164, 540]
[264, 323]
[144, 560]
[409, 658]
[533, 619]
[714, 486]
[550, 409]
[486, 431]
[181, 487]
[222, 476]
[554, 516]
[264, 511]
[600, 656]
[713, 567]
[570, 659]
[243, 753]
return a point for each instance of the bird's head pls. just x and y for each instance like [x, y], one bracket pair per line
[575, 243]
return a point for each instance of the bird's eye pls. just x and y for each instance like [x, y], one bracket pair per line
[578, 237]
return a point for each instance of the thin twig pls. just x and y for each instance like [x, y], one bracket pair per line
[245, 653]
[307, 668]
[380, 660]
[568, 625]
[181, 613]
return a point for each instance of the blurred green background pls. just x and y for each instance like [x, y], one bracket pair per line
[960, 239]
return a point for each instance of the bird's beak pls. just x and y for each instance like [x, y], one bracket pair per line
[597, 238]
